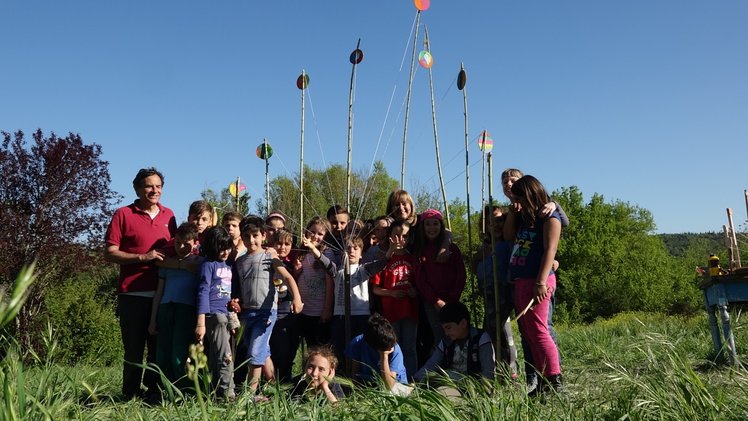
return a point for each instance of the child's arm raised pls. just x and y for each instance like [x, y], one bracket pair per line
[325, 261]
[280, 268]
[390, 378]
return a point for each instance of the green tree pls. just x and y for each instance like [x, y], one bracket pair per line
[226, 202]
[323, 188]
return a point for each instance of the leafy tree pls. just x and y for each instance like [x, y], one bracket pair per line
[226, 202]
[611, 262]
[55, 204]
[323, 188]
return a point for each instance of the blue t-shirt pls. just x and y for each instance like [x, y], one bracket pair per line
[180, 286]
[214, 290]
[528, 249]
[484, 268]
[359, 350]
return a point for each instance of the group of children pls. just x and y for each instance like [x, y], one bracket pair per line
[251, 275]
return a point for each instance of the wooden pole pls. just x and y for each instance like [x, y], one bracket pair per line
[495, 262]
[354, 62]
[301, 152]
[236, 203]
[462, 77]
[267, 177]
[483, 180]
[745, 192]
[735, 260]
[436, 135]
[407, 99]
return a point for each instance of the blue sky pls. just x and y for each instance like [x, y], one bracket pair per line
[642, 101]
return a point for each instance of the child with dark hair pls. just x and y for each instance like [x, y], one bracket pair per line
[213, 295]
[317, 381]
[173, 310]
[255, 294]
[201, 214]
[231, 221]
[464, 350]
[377, 350]
[339, 219]
[395, 285]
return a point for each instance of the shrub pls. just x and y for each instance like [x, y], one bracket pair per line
[81, 311]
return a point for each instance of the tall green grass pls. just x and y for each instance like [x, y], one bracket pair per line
[632, 367]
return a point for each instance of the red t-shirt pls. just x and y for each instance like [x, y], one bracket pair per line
[133, 231]
[398, 274]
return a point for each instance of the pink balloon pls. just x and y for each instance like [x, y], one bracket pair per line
[422, 4]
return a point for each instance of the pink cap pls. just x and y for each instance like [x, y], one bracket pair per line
[276, 215]
[431, 213]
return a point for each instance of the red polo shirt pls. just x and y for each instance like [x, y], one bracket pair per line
[133, 230]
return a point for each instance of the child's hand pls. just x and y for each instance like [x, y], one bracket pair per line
[547, 209]
[297, 305]
[439, 304]
[152, 328]
[398, 242]
[398, 293]
[541, 292]
[443, 255]
[200, 333]
[234, 306]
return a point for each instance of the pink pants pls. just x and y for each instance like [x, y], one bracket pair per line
[534, 325]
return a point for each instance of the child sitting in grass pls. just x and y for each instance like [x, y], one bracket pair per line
[318, 378]
[376, 352]
[464, 350]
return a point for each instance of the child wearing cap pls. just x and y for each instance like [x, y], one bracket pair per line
[438, 283]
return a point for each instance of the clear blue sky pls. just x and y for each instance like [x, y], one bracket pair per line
[642, 101]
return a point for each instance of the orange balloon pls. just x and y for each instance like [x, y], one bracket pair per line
[422, 4]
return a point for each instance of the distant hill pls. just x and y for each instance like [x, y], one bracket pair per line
[678, 243]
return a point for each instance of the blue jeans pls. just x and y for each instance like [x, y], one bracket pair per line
[406, 331]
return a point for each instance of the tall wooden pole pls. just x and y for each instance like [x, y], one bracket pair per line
[302, 86]
[735, 261]
[267, 176]
[407, 99]
[356, 57]
[483, 180]
[495, 262]
[236, 203]
[436, 136]
[461, 80]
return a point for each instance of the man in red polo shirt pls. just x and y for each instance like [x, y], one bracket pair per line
[134, 240]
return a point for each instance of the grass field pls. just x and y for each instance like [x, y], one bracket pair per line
[635, 366]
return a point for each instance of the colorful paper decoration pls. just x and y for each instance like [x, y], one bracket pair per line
[422, 5]
[461, 79]
[264, 153]
[303, 81]
[425, 59]
[485, 143]
[232, 188]
[356, 56]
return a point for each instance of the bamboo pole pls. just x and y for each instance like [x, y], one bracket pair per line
[735, 260]
[494, 260]
[301, 152]
[436, 135]
[354, 61]
[745, 192]
[267, 177]
[483, 180]
[236, 203]
[407, 99]
[461, 79]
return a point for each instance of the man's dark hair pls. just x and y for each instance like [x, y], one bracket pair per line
[379, 334]
[187, 231]
[144, 173]
[216, 240]
[454, 312]
[251, 224]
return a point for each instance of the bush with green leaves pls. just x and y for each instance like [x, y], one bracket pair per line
[81, 311]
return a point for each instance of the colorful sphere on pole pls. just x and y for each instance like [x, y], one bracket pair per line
[425, 59]
[485, 143]
[232, 188]
[264, 151]
[356, 56]
[303, 81]
[422, 5]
